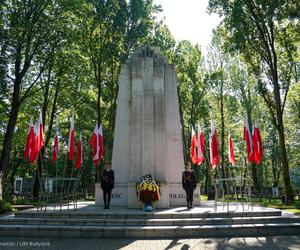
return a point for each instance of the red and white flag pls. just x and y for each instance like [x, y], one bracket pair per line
[213, 143]
[257, 144]
[201, 142]
[231, 158]
[101, 143]
[248, 139]
[71, 145]
[96, 142]
[55, 148]
[194, 147]
[38, 141]
[30, 137]
[79, 156]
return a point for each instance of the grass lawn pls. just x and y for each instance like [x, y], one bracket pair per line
[266, 202]
[273, 203]
[277, 203]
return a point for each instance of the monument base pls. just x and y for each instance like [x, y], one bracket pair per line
[177, 195]
[124, 195]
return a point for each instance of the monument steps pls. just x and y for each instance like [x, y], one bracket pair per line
[68, 231]
[148, 222]
[148, 215]
[138, 224]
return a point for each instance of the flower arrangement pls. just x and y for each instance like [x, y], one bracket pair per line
[148, 189]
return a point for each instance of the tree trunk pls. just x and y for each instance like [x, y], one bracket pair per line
[279, 112]
[185, 150]
[53, 111]
[112, 112]
[38, 172]
[99, 88]
[13, 116]
[285, 165]
[222, 130]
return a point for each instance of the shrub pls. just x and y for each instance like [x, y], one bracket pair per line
[5, 206]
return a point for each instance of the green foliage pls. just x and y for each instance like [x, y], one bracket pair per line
[295, 178]
[5, 206]
[66, 55]
[265, 32]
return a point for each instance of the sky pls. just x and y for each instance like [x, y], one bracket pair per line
[189, 20]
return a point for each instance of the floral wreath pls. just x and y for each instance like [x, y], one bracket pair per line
[148, 189]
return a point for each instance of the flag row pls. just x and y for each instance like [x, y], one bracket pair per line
[252, 139]
[35, 142]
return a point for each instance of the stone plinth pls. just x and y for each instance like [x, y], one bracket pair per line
[147, 137]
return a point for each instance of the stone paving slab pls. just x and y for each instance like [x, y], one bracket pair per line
[254, 229]
[77, 223]
[144, 221]
[206, 209]
[264, 243]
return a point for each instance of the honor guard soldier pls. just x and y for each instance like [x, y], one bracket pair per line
[189, 184]
[107, 184]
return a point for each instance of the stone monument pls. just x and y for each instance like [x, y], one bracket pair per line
[147, 137]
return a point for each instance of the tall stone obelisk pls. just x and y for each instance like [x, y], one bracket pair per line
[147, 137]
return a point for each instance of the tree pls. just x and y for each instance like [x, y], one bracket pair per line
[254, 27]
[191, 89]
[217, 65]
[30, 36]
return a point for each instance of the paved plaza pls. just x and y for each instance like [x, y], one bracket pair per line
[275, 242]
[205, 207]
[163, 242]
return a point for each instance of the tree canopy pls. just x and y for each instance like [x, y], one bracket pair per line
[60, 56]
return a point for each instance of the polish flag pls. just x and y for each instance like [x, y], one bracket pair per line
[38, 141]
[101, 143]
[34, 144]
[55, 148]
[201, 143]
[30, 137]
[231, 158]
[194, 147]
[257, 144]
[71, 145]
[96, 142]
[248, 139]
[79, 158]
[213, 143]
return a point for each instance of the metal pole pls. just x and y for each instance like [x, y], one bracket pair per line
[55, 193]
[62, 184]
[220, 178]
[79, 174]
[234, 184]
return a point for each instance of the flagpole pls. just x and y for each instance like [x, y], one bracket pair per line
[249, 188]
[39, 177]
[55, 194]
[241, 189]
[232, 173]
[216, 189]
[55, 153]
[63, 177]
[71, 178]
[79, 174]
[226, 182]
[46, 178]
[220, 178]
[39, 181]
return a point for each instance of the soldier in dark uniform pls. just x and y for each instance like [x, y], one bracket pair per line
[189, 184]
[107, 184]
